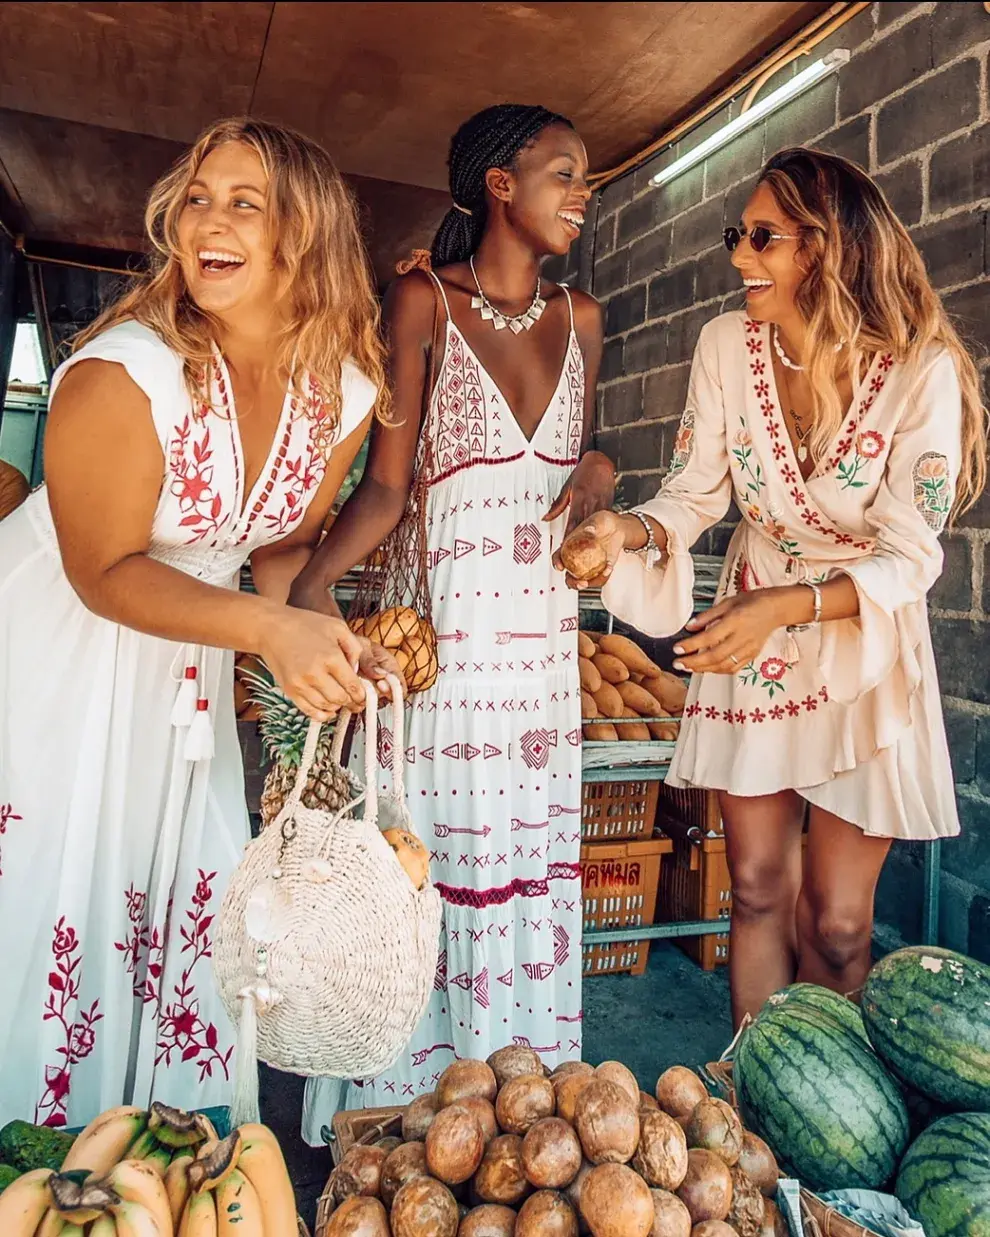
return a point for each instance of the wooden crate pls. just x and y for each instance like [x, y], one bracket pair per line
[619, 882]
[618, 811]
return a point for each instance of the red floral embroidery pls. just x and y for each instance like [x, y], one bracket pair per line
[692, 710]
[78, 1035]
[6, 813]
[142, 946]
[182, 1029]
[190, 465]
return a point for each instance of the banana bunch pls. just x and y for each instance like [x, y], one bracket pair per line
[162, 1173]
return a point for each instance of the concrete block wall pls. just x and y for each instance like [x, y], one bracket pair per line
[912, 108]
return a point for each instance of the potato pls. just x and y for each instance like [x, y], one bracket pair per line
[586, 646]
[610, 668]
[591, 680]
[588, 706]
[640, 701]
[608, 700]
[629, 653]
[601, 733]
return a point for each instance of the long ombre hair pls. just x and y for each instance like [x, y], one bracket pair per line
[333, 312]
[866, 285]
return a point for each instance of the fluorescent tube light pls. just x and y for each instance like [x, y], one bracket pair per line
[769, 103]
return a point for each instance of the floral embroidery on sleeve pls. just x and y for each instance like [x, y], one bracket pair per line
[932, 488]
[683, 446]
[742, 450]
[869, 446]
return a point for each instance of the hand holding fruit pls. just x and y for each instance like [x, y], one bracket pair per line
[375, 663]
[588, 554]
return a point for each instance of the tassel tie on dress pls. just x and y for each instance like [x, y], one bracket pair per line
[191, 711]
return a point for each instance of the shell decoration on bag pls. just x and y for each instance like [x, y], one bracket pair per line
[326, 949]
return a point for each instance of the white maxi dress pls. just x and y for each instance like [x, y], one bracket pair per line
[115, 846]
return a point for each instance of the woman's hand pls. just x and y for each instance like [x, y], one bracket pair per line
[377, 662]
[589, 488]
[604, 531]
[734, 633]
[314, 660]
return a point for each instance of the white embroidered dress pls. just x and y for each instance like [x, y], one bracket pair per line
[115, 847]
[847, 713]
[494, 748]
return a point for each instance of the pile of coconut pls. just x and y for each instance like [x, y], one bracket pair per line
[504, 1149]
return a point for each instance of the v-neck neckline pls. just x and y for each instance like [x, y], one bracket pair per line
[452, 326]
[246, 500]
[856, 410]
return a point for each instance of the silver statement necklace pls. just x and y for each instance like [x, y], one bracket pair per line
[521, 322]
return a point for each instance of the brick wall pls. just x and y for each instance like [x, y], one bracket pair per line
[911, 107]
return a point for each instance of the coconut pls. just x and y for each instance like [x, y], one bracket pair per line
[646, 1101]
[404, 1164]
[747, 1211]
[390, 1144]
[455, 1145]
[670, 1217]
[607, 1123]
[572, 1067]
[359, 1217]
[500, 1177]
[567, 1088]
[715, 1126]
[513, 1062]
[713, 1228]
[774, 1224]
[661, 1158]
[679, 1091]
[488, 1221]
[573, 1192]
[759, 1163]
[616, 1202]
[484, 1113]
[616, 1072]
[523, 1101]
[706, 1190]
[466, 1079]
[424, 1207]
[418, 1117]
[360, 1172]
[546, 1214]
[551, 1154]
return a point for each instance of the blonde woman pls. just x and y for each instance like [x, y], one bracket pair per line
[842, 414]
[206, 420]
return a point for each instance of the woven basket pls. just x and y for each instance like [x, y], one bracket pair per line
[325, 954]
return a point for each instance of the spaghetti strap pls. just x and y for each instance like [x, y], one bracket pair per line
[439, 282]
[570, 303]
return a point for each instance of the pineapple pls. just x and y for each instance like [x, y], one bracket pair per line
[283, 732]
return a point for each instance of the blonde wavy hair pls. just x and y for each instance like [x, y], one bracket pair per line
[332, 308]
[866, 284]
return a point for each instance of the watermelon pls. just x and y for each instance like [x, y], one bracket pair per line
[811, 996]
[927, 1012]
[944, 1179]
[823, 1101]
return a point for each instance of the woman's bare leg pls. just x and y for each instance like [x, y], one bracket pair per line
[835, 907]
[763, 847]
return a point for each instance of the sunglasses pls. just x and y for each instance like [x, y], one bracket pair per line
[759, 238]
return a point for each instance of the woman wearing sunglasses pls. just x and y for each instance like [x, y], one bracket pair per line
[842, 414]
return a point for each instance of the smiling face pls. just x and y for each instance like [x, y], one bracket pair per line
[772, 277]
[547, 192]
[224, 240]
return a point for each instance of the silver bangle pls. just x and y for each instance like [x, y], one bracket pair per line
[817, 618]
[651, 550]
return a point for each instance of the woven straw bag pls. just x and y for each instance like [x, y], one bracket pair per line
[325, 953]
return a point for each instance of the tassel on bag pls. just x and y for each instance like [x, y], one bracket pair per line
[184, 708]
[199, 737]
[256, 999]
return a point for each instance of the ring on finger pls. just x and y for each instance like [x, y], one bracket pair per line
[734, 659]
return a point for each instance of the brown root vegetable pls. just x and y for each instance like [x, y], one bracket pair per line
[669, 689]
[500, 1177]
[568, 1088]
[661, 1158]
[591, 680]
[713, 1228]
[422, 1207]
[616, 1202]
[466, 1079]
[484, 1111]
[622, 1076]
[359, 1217]
[747, 1210]
[679, 1091]
[586, 646]
[640, 701]
[609, 701]
[571, 1067]
[633, 731]
[603, 732]
[759, 1163]
[774, 1224]
[646, 1101]
[418, 1117]
[489, 1220]
[523, 1101]
[715, 1126]
[706, 1190]
[610, 668]
[573, 1192]
[583, 555]
[670, 1217]
[629, 652]
[360, 1172]
[404, 1164]
[588, 706]
[607, 1122]
[546, 1214]
[455, 1145]
[551, 1154]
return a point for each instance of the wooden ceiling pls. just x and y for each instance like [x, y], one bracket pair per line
[96, 100]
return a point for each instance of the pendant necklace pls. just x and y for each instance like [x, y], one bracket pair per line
[521, 322]
[801, 449]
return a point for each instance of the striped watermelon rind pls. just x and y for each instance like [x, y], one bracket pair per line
[822, 1100]
[944, 1180]
[812, 996]
[927, 1013]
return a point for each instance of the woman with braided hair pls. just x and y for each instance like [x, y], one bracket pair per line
[494, 780]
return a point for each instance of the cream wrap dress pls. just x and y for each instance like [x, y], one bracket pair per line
[848, 712]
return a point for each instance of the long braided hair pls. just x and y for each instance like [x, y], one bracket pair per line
[490, 139]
